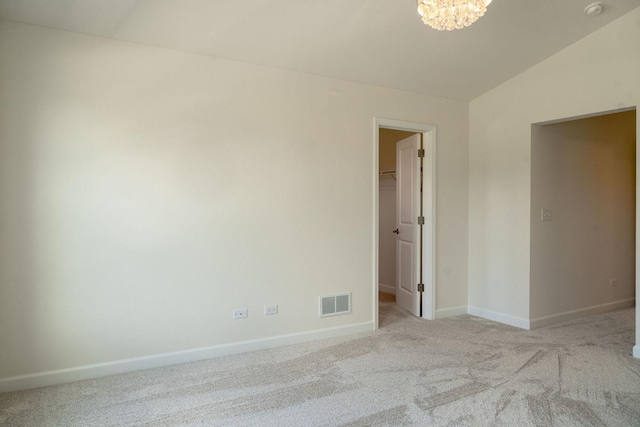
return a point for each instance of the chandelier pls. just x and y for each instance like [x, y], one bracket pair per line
[451, 14]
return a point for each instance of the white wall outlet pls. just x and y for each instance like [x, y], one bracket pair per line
[546, 215]
[271, 309]
[613, 282]
[241, 313]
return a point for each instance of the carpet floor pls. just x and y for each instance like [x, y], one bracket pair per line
[463, 371]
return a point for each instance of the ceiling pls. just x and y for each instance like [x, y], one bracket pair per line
[377, 42]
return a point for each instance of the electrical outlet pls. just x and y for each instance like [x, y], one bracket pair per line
[271, 309]
[241, 313]
[546, 215]
[613, 282]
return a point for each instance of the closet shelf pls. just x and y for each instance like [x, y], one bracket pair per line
[385, 174]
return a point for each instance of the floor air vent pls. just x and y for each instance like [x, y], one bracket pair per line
[333, 305]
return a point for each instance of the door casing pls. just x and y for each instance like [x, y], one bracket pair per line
[428, 206]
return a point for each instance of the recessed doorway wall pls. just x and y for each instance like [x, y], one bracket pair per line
[583, 187]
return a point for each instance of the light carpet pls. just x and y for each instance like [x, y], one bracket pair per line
[463, 371]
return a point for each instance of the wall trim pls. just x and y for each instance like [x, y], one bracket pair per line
[636, 351]
[443, 313]
[387, 288]
[496, 316]
[429, 254]
[79, 373]
[540, 322]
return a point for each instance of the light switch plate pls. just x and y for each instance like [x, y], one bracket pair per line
[546, 215]
[271, 309]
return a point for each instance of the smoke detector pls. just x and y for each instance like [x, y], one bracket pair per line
[594, 8]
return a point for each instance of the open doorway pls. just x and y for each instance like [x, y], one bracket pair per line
[388, 190]
[387, 195]
[583, 217]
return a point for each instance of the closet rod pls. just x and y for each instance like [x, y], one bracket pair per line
[388, 173]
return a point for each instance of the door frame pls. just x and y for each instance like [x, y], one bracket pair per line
[428, 206]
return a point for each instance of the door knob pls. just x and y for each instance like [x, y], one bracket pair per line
[396, 231]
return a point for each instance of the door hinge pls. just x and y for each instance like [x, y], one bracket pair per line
[420, 287]
[420, 220]
[421, 152]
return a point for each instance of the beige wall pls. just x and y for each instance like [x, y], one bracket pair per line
[147, 193]
[597, 74]
[584, 171]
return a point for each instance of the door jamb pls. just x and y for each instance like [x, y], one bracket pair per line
[428, 205]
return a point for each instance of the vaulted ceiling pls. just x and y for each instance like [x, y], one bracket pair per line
[378, 42]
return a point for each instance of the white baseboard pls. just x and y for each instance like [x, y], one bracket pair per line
[386, 289]
[496, 316]
[61, 376]
[636, 351]
[443, 313]
[540, 322]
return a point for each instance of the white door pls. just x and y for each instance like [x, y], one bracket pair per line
[408, 230]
